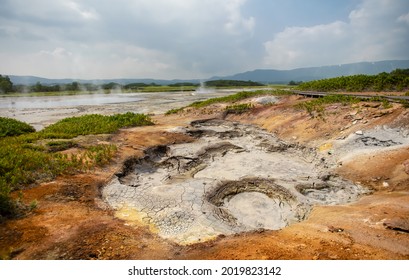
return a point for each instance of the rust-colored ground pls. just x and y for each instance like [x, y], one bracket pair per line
[72, 222]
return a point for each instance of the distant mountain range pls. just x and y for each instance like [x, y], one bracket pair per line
[259, 75]
[316, 73]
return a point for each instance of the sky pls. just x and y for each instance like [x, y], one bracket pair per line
[195, 39]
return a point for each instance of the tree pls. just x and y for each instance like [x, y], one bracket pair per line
[5, 84]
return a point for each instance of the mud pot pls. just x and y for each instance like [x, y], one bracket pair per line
[233, 178]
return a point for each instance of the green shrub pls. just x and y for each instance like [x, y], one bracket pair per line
[397, 80]
[93, 124]
[12, 127]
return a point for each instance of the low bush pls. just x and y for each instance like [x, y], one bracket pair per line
[397, 80]
[12, 127]
[93, 124]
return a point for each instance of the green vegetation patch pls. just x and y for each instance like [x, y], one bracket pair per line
[232, 98]
[397, 80]
[238, 96]
[174, 111]
[93, 124]
[232, 83]
[12, 127]
[238, 108]
[317, 104]
[25, 159]
[61, 145]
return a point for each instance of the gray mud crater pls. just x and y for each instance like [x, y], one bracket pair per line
[233, 178]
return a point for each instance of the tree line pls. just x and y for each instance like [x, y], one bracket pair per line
[6, 86]
[232, 83]
[397, 80]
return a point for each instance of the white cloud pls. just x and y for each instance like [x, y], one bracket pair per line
[304, 45]
[372, 33]
[236, 23]
[88, 14]
[404, 18]
[56, 53]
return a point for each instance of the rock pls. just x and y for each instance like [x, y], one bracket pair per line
[264, 100]
[355, 122]
[359, 132]
[326, 177]
[397, 224]
[385, 184]
[335, 229]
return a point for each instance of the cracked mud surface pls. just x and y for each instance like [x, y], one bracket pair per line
[233, 178]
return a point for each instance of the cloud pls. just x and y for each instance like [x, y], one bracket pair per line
[236, 23]
[404, 18]
[87, 14]
[193, 38]
[161, 38]
[376, 30]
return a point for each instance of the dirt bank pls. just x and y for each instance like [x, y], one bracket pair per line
[74, 220]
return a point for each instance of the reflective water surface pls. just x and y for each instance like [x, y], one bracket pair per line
[67, 100]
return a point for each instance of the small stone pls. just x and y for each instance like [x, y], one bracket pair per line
[359, 132]
[355, 122]
[385, 184]
[335, 229]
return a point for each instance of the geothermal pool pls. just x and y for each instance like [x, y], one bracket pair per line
[40, 111]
